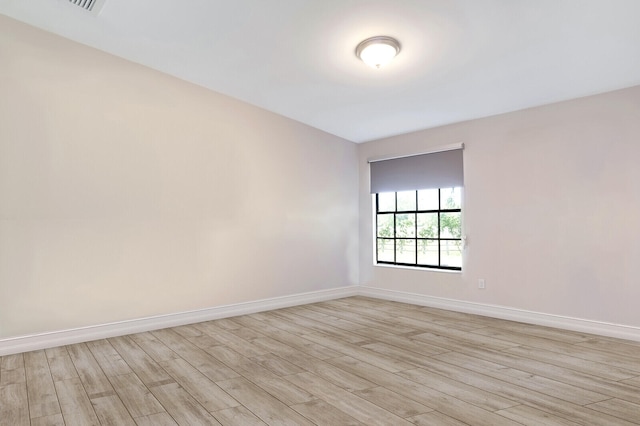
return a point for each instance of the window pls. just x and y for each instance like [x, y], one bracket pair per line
[418, 208]
[420, 228]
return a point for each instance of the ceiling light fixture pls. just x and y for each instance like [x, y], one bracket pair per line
[377, 51]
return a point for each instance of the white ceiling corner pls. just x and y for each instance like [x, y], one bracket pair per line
[460, 59]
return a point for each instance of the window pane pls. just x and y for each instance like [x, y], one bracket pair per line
[450, 226]
[406, 201]
[385, 250]
[406, 225]
[406, 237]
[428, 199]
[451, 198]
[406, 251]
[385, 225]
[451, 253]
[386, 201]
[428, 252]
[428, 225]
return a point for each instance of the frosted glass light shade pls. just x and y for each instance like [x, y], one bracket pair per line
[377, 51]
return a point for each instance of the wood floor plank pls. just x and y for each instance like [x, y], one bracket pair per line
[305, 325]
[555, 388]
[619, 408]
[52, 420]
[434, 418]
[349, 403]
[475, 379]
[588, 385]
[401, 354]
[464, 338]
[12, 369]
[402, 342]
[446, 404]
[135, 395]
[421, 317]
[363, 309]
[14, 405]
[189, 330]
[205, 391]
[592, 368]
[237, 416]
[324, 414]
[276, 347]
[360, 321]
[91, 375]
[184, 409]
[229, 339]
[343, 379]
[314, 349]
[592, 354]
[487, 400]
[480, 373]
[634, 381]
[10, 362]
[262, 404]
[197, 336]
[433, 314]
[75, 404]
[253, 321]
[392, 402]
[309, 313]
[227, 323]
[334, 321]
[304, 362]
[265, 379]
[11, 377]
[565, 336]
[42, 397]
[530, 416]
[277, 365]
[518, 338]
[247, 333]
[160, 419]
[382, 361]
[203, 361]
[156, 349]
[60, 364]
[111, 411]
[626, 349]
[285, 338]
[108, 358]
[140, 362]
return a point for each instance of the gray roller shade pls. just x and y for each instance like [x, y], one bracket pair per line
[426, 171]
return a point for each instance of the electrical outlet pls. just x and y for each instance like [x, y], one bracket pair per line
[481, 284]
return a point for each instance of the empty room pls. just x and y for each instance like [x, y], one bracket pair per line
[319, 212]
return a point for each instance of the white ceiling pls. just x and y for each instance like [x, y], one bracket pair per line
[460, 59]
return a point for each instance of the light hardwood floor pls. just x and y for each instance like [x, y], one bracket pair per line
[353, 361]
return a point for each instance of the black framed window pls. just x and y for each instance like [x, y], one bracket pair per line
[420, 228]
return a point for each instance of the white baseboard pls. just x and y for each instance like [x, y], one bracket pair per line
[67, 337]
[512, 314]
[84, 334]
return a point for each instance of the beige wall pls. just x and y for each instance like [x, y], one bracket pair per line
[126, 193]
[551, 210]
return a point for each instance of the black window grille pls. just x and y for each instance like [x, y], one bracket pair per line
[420, 228]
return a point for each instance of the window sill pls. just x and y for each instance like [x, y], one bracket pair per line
[416, 268]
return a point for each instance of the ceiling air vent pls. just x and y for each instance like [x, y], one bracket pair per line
[93, 6]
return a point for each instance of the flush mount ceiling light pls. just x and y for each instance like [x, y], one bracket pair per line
[377, 51]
